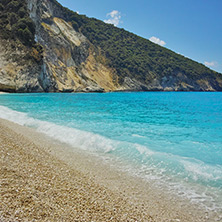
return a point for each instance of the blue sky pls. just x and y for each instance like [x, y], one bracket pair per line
[192, 28]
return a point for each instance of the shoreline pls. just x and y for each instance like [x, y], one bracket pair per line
[103, 193]
[120, 91]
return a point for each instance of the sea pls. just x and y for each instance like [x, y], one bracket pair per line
[173, 139]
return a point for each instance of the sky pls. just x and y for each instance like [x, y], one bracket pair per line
[192, 28]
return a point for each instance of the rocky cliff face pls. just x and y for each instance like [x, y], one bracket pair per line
[18, 72]
[69, 58]
[69, 62]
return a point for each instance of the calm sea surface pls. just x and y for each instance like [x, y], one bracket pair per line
[173, 139]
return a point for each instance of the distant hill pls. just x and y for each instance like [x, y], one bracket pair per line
[45, 47]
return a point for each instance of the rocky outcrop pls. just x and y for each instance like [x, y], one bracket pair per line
[68, 64]
[69, 58]
[18, 72]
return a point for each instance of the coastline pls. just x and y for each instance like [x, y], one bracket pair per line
[43, 179]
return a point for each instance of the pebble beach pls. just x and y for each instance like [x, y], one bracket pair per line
[42, 180]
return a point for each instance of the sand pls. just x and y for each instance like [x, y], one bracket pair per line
[44, 180]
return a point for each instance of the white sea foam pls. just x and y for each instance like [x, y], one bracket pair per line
[96, 143]
[99, 144]
[74, 137]
[202, 170]
[138, 136]
[14, 116]
[143, 150]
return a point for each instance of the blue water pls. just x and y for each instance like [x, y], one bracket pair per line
[171, 138]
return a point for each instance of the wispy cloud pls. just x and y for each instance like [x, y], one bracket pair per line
[114, 18]
[210, 64]
[157, 41]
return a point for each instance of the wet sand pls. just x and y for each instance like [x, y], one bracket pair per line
[44, 180]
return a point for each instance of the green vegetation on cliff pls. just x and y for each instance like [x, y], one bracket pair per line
[15, 22]
[16, 25]
[148, 66]
[134, 56]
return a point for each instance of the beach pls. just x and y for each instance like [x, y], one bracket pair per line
[45, 180]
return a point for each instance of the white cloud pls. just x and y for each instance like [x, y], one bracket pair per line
[157, 41]
[114, 19]
[211, 64]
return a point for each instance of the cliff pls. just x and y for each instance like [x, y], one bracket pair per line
[61, 51]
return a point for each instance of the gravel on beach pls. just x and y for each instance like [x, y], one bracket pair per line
[37, 187]
[39, 184]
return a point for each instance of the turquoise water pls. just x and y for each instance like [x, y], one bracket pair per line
[173, 139]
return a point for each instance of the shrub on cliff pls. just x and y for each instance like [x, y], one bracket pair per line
[1, 7]
[24, 30]
[22, 12]
[13, 6]
[15, 22]
[13, 18]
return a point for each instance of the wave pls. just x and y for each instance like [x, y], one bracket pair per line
[74, 137]
[195, 170]
[159, 166]
[203, 171]
[138, 136]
